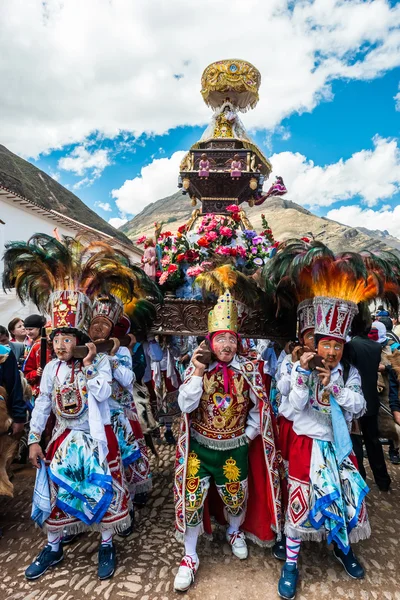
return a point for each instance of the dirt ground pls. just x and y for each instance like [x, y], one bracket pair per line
[148, 560]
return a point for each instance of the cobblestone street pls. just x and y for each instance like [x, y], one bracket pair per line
[148, 560]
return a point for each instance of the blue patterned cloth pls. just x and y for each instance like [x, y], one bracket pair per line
[337, 494]
[41, 505]
[84, 485]
[128, 446]
[342, 440]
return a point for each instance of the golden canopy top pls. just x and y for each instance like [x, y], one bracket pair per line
[235, 79]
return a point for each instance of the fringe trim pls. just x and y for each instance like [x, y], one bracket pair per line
[79, 526]
[313, 535]
[361, 532]
[253, 538]
[218, 444]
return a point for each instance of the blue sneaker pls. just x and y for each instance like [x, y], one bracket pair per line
[349, 562]
[46, 559]
[288, 581]
[279, 549]
[70, 538]
[107, 561]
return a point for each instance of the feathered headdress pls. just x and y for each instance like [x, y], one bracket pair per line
[227, 278]
[63, 277]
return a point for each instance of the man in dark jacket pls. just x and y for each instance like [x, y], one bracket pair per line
[11, 381]
[365, 355]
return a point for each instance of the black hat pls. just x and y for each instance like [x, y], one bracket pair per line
[35, 321]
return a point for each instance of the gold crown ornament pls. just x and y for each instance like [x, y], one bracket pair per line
[233, 79]
[224, 315]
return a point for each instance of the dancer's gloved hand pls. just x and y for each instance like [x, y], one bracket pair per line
[35, 454]
[116, 345]
[304, 360]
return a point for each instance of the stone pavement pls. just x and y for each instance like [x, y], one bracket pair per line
[147, 561]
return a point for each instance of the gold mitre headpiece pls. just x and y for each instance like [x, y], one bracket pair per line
[235, 79]
[224, 315]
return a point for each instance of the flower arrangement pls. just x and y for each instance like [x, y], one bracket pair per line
[181, 261]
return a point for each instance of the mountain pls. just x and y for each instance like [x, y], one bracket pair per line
[23, 178]
[286, 219]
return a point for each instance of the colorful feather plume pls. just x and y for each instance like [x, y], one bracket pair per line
[216, 282]
[141, 313]
[44, 264]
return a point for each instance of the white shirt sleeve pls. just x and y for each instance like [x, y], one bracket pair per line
[253, 425]
[283, 383]
[190, 394]
[42, 409]
[299, 390]
[121, 366]
[99, 379]
[349, 397]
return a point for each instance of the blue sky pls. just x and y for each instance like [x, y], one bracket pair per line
[109, 118]
[333, 130]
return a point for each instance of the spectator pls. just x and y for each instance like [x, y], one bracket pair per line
[32, 369]
[396, 326]
[17, 330]
[392, 339]
[16, 347]
[10, 379]
[365, 355]
[382, 312]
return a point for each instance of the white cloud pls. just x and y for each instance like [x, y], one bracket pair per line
[157, 180]
[397, 99]
[104, 206]
[355, 216]
[55, 92]
[81, 160]
[117, 222]
[372, 175]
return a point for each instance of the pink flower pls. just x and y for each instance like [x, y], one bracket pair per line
[166, 260]
[211, 226]
[224, 250]
[141, 240]
[194, 271]
[206, 265]
[233, 208]
[226, 231]
[254, 250]
[211, 236]
[241, 251]
[163, 277]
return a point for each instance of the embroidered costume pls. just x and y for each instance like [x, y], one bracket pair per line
[222, 412]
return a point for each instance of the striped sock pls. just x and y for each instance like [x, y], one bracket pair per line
[54, 540]
[292, 549]
[107, 537]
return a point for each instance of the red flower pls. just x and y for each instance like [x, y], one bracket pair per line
[191, 255]
[203, 242]
[181, 257]
[172, 268]
[182, 229]
[306, 239]
[158, 273]
[233, 252]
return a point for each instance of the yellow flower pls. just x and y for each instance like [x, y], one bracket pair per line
[231, 471]
[193, 465]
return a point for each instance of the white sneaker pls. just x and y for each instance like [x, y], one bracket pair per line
[238, 544]
[185, 575]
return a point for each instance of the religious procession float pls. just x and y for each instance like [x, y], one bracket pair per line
[218, 248]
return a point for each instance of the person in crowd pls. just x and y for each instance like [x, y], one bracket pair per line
[220, 400]
[365, 354]
[10, 380]
[392, 339]
[326, 493]
[77, 392]
[32, 366]
[396, 326]
[16, 328]
[167, 381]
[17, 348]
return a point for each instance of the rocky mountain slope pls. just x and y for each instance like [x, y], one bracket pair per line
[24, 179]
[285, 218]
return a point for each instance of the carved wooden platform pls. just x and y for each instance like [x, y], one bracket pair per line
[178, 316]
